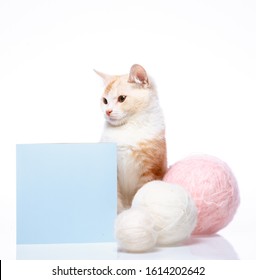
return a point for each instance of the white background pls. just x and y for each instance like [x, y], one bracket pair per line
[202, 55]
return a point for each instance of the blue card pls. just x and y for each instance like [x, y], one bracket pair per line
[66, 193]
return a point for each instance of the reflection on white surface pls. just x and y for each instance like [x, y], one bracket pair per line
[197, 247]
[213, 247]
[92, 251]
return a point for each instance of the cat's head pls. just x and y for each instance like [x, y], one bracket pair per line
[125, 96]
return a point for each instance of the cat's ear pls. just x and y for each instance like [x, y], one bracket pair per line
[106, 78]
[138, 75]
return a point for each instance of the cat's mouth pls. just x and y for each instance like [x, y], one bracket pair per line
[116, 120]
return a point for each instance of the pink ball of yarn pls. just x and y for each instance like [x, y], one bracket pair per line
[213, 188]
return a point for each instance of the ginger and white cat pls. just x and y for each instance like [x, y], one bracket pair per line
[134, 121]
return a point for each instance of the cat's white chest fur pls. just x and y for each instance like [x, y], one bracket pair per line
[128, 137]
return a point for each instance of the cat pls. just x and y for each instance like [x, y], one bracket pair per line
[135, 122]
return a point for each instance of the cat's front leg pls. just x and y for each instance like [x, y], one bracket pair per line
[120, 201]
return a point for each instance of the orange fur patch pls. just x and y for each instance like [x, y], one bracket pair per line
[109, 87]
[152, 156]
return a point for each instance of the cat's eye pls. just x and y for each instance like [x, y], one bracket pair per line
[121, 98]
[104, 100]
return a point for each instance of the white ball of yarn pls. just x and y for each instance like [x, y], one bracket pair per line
[134, 230]
[172, 209]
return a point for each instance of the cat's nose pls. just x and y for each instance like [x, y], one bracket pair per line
[108, 112]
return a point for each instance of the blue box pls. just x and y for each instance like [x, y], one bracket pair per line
[66, 193]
